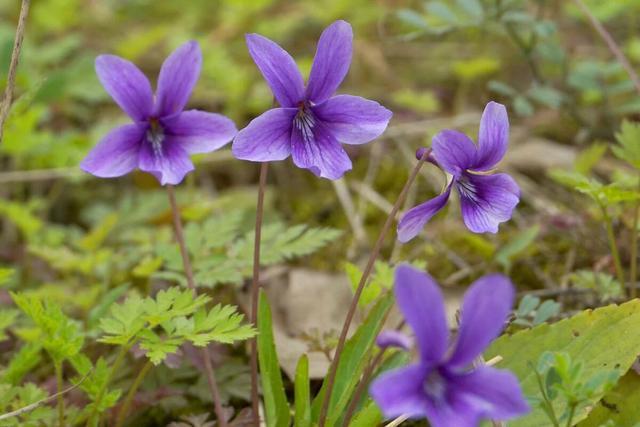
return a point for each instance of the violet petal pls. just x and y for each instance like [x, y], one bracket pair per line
[126, 84]
[485, 308]
[493, 137]
[414, 220]
[313, 147]
[178, 76]
[352, 119]
[495, 394]
[422, 306]
[199, 131]
[392, 338]
[169, 162]
[331, 62]
[399, 392]
[267, 137]
[487, 200]
[116, 154]
[454, 151]
[278, 68]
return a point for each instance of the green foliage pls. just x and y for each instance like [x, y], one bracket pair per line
[302, 397]
[619, 406]
[516, 246]
[13, 398]
[531, 312]
[559, 378]
[604, 285]
[628, 143]
[94, 381]
[598, 340]
[60, 336]
[275, 399]
[162, 324]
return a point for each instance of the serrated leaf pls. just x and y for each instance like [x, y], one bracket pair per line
[628, 147]
[605, 337]
[275, 399]
[589, 157]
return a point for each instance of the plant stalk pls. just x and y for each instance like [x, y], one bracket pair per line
[126, 405]
[179, 233]
[13, 65]
[57, 366]
[255, 292]
[612, 244]
[333, 368]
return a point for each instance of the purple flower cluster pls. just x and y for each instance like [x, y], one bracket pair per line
[442, 385]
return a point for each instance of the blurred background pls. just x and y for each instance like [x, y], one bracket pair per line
[435, 64]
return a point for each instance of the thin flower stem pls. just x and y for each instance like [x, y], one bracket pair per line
[333, 368]
[57, 366]
[211, 379]
[126, 405]
[633, 262]
[255, 291]
[612, 244]
[611, 44]
[13, 65]
[362, 386]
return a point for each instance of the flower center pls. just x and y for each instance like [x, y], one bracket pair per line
[304, 121]
[466, 188]
[155, 135]
[435, 386]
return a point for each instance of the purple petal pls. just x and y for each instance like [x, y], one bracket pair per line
[126, 84]
[278, 69]
[454, 412]
[116, 154]
[493, 393]
[414, 220]
[485, 309]
[493, 137]
[422, 306]
[169, 163]
[400, 392]
[332, 61]
[178, 76]
[313, 147]
[199, 131]
[267, 137]
[394, 339]
[454, 151]
[352, 119]
[487, 200]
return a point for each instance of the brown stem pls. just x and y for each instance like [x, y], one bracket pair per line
[13, 66]
[363, 280]
[362, 386]
[188, 271]
[611, 44]
[255, 291]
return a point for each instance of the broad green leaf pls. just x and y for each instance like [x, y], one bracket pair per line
[302, 394]
[620, 406]
[368, 416]
[275, 399]
[605, 337]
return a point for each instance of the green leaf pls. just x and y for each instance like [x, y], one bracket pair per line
[588, 158]
[275, 399]
[620, 406]
[222, 324]
[302, 394]
[519, 244]
[124, 323]
[628, 147]
[6, 319]
[606, 337]
[352, 362]
[28, 357]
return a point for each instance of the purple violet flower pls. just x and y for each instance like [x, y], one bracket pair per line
[486, 199]
[310, 124]
[443, 386]
[162, 135]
